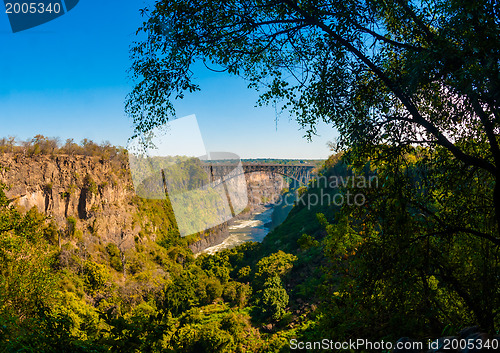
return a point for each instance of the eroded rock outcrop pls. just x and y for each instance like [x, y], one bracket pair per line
[263, 188]
[96, 193]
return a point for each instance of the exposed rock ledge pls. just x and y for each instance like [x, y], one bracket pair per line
[212, 237]
[96, 193]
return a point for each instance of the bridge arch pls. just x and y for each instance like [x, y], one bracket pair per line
[300, 173]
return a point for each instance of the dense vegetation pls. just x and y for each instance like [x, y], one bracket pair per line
[67, 299]
[380, 271]
[413, 89]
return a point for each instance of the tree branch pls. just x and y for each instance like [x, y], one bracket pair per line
[385, 39]
[428, 34]
[405, 100]
[455, 229]
[488, 127]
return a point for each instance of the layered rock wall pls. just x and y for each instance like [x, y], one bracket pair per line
[264, 188]
[98, 194]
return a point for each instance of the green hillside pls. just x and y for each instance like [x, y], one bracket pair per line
[335, 271]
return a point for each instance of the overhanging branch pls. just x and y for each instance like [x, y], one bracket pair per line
[405, 100]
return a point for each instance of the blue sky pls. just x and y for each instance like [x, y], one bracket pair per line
[68, 78]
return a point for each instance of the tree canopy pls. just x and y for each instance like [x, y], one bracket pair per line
[388, 71]
[413, 87]
[382, 72]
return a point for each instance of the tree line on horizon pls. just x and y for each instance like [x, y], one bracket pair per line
[42, 145]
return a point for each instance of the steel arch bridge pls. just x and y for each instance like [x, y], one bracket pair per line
[300, 173]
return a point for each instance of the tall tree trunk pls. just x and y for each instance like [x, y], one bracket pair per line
[496, 203]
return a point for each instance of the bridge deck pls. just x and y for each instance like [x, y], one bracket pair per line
[301, 173]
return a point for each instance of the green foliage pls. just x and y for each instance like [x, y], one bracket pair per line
[244, 273]
[46, 333]
[237, 293]
[83, 318]
[116, 263]
[306, 241]
[27, 285]
[235, 324]
[388, 77]
[180, 255]
[142, 332]
[207, 338]
[401, 66]
[87, 309]
[51, 233]
[95, 276]
[26, 277]
[114, 257]
[399, 254]
[135, 263]
[273, 299]
[275, 265]
[90, 184]
[208, 290]
[359, 266]
[157, 216]
[301, 190]
[71, 226]
[217, 265]
[180, 294]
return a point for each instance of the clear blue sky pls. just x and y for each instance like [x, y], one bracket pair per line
[68, 78]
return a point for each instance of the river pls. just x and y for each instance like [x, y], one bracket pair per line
[240, 231]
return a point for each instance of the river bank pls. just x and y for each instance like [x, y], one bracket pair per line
[254, 227]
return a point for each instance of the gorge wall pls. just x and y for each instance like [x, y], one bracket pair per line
[94, 194]
[97, 196]
[262, 188]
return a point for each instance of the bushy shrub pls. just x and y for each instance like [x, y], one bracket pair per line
[95, 276]
[277, 264]
[244, 273]
[274, 299]
[114, 257]
[306, 241]
[237, 293]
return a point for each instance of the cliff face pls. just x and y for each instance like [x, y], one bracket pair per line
[263, 188]
[99, 195]
[94, 192]
[211, 237]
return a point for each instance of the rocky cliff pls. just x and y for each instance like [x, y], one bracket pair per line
[94, 194]
[262, 188]
[97, 196]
